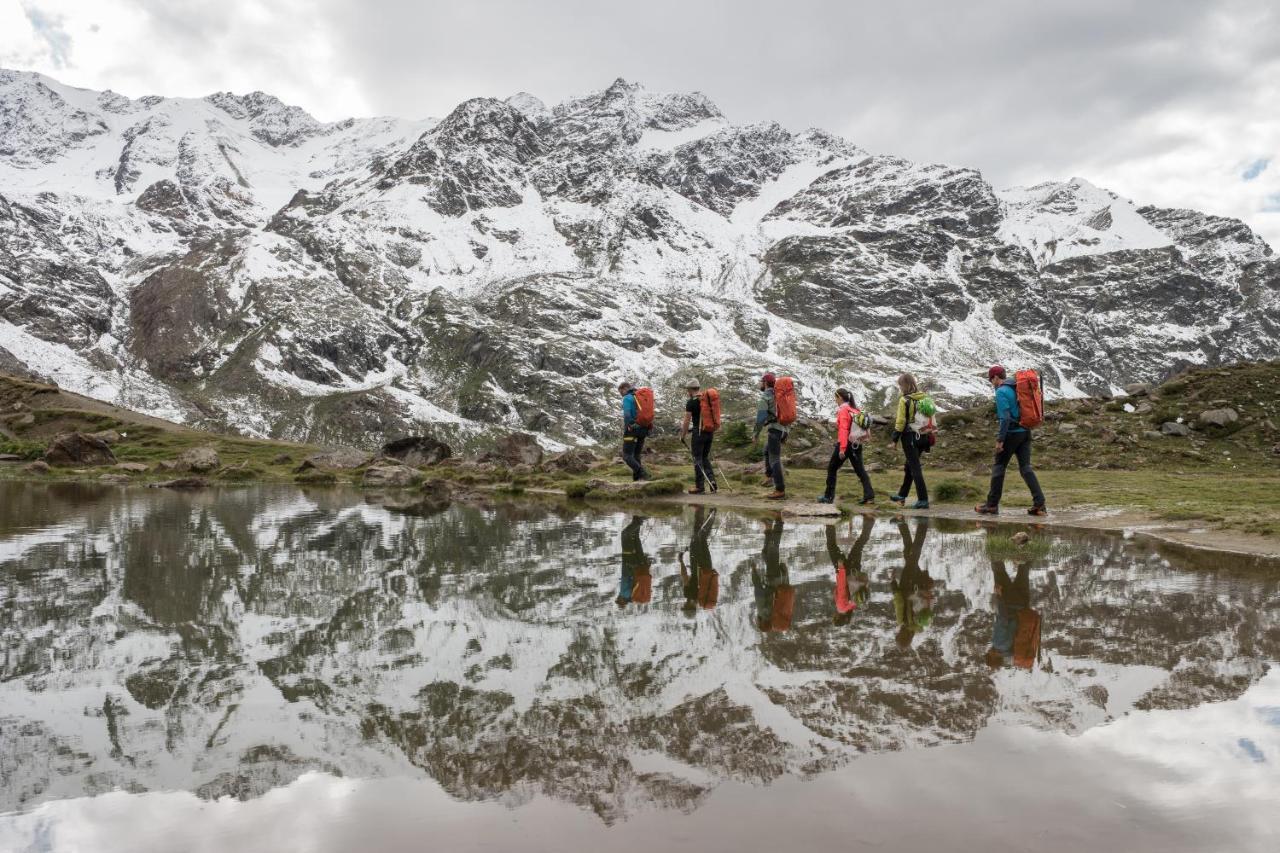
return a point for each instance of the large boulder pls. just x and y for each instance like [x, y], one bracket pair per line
[390, 475]
[417, 450]
[576, 461]
[337, 458]
[1138, 389]
[516, 448]
[1175, 428]
[199, 460]
[77, 448]
[1219, 417]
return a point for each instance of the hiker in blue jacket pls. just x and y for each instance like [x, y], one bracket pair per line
[1012, 440]
[633, 435]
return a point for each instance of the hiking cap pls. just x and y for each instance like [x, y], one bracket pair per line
[691, 384]
[996, 370]
[768, 379]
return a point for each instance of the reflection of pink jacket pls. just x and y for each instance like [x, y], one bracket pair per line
[844, 603]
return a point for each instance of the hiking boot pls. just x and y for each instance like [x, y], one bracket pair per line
[776, 496]
[696, 491]
[1038, 510]
[920, 505]
[986, 509]
[871, 501]
[898, 499]
[823, 499]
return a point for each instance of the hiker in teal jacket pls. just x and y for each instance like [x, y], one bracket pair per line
[1012, 439]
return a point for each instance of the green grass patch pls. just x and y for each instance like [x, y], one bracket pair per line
[665, 486]
[577, 489]
[22, 447]
[241, 475]
[1001, 546]
[954, 491]
[315, 477]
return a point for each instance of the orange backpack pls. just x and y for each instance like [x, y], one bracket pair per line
[1026, 639]
[784, 397]
[642, 592]
[1030, 399]
[709, 419]
[708, 589]
[644, 407]
[784, 605]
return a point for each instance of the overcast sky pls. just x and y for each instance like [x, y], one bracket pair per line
[1173, 102]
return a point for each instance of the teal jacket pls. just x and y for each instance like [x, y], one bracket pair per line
[1007, 409]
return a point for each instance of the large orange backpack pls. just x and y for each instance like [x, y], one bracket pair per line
[708, 588]
[642, 592]
[784, 605]
[1026, 638]
[1030, 399]
[709, 419]
[784, 397]
[644, 407]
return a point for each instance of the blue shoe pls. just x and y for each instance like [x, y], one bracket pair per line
[898, 499]
[920, 505]
[823, 499]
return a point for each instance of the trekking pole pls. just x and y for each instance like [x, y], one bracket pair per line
[711, 481]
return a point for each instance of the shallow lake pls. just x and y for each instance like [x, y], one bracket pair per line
[269, 669]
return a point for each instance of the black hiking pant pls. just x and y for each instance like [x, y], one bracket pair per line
[853, 453]
[1015, 444]
[700, 446]
[1015, 592]
[632, 447]
[912, 471]
[773, 459]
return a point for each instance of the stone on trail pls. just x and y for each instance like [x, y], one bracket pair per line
[418, 450]
[516, 448]
[37, 467]
[1068, 428]
[132, 467]
[1219, 417]
[578, 460]
[1153, 434]
[1021, 538]
[199, 460]
[390, 475]
[338, 458]
[77, 448]
[1138, 389]
[1175, 428]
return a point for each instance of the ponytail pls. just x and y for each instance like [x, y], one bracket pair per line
[843, 394]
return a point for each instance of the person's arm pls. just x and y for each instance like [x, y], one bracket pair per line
[762, 417]
[900, 419]
[844, 420]
[1004, 413]
[684, 425]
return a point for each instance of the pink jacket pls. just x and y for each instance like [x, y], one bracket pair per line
[844, 423]
[844, 603]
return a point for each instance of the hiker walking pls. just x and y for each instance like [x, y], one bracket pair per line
[913, 593]
[634, 430]
[853, 585]
[852, 429]
[774, 594]
[700, 582]
[1012, 439]
[635, 582]
[1015, 631]
[699, 438]
[767, 419]
[913, 428]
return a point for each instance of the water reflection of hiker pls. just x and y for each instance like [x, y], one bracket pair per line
[913, 593]
[775, 596]
[701, 583]
[1015, 631]
[853, 585]
[635, 584]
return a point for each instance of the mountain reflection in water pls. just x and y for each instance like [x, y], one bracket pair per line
[225, 643]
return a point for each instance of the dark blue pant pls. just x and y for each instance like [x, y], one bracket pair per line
[632, 447]
[773, 459]
[700, 446]
[853, 453]
[1015, 444]
[912, 471]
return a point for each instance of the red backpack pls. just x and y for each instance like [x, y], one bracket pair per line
[784, 605]
[708, 589]
[784, 398]
[709, 419]
[642, 592]
[1026, 639]
[644, 407]
[1030, 399]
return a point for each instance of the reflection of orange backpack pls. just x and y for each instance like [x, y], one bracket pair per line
[709, 419]
[644, 407]
[1030, 399]
[784, 398]
[1026, 638]
[784, 605]
[642, 592]
[708, 589]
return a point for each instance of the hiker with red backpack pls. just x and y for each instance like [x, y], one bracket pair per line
[776, 412]
[701, 420]
[635, 583]
[1015, 631]
[637, 420]
[853, 427]
[774, 594]
[1019, 410]
[914, 427]
[699, 581]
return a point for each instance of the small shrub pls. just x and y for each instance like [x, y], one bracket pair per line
[577, 489]
[756, 454]
[952, 491]
[735, 434]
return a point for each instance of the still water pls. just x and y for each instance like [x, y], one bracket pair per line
[271, 669]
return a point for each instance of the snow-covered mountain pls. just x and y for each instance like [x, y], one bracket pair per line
[231, 261]
[227, 643]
